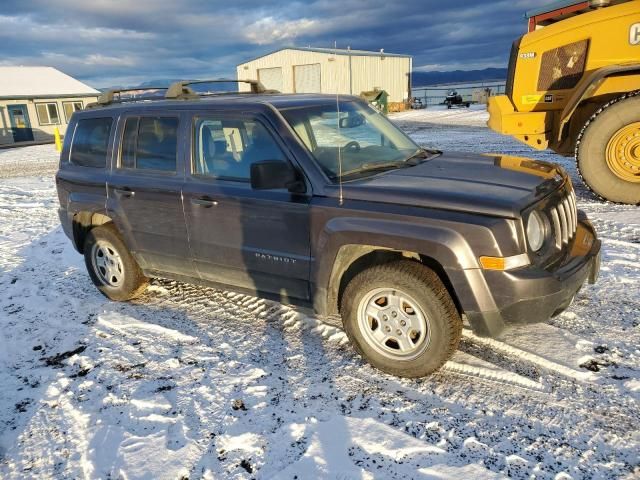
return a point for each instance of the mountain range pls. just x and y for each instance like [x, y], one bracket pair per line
[421, 79]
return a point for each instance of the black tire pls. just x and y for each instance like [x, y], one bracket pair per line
[591, 149]
[425, 287]
[132, 281]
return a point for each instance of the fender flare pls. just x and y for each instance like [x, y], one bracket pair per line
[83, 210]
[587, 86]
[344, 240]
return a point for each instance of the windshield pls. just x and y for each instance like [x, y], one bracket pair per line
[364, 139]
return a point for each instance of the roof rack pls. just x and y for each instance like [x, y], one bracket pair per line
[108, 97]
[177, 90]
[181, 89]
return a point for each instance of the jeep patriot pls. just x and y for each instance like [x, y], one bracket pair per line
[320, 201]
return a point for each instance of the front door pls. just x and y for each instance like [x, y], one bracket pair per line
[20, 125]
[144, 192]
[257, 240]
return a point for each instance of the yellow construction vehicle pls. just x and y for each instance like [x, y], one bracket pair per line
[573, 86]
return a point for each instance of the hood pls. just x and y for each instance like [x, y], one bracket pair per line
[487, 184]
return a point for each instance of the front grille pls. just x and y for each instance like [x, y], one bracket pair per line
[564, 217]
[562, 67]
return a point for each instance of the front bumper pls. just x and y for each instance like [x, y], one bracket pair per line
[532, 128]
[533, 294]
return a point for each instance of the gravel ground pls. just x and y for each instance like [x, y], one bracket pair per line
[28, 161]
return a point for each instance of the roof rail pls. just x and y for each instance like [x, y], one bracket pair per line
[181, 89]
[108, 97]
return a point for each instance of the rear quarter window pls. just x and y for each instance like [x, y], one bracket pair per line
[90, 142]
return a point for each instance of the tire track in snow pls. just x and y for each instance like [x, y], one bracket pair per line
[199, 302]
[517, 353]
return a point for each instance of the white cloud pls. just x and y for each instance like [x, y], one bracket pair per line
[25, 27]
[270, 30]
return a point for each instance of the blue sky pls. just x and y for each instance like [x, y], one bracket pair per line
[112, 42]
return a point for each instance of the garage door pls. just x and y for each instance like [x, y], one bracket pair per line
[307, 78]
[271, 78]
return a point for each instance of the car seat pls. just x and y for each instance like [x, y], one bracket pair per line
[263, 147]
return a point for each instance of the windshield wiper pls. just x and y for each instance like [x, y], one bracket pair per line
[375, 166]
[422, 154]
[415, 159]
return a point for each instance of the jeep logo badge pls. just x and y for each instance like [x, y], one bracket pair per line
[634, 34]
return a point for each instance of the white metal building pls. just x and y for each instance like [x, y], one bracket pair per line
[327, 70]
[35, 100]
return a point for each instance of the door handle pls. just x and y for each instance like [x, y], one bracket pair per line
[124, 192]
[205, 202]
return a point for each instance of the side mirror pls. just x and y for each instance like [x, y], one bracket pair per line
[351, 121]
[275, 174]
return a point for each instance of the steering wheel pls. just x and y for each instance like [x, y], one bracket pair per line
[355, 146]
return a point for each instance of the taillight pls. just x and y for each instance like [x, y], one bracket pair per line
[562, 67]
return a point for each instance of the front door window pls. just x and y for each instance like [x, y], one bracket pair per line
[226, 148]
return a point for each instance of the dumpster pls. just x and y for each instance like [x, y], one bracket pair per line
[377, 98]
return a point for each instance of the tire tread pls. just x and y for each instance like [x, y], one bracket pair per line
[408, 274]
[135, 282]
[584, 129]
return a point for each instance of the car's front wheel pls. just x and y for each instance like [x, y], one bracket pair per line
[110, 265]
[400, 317]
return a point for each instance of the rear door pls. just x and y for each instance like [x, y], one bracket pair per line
[257, 240]
[84, 167]
[145, 191]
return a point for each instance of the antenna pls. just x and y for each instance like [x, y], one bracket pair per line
[340, 197]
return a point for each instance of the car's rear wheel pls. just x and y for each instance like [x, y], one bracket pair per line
[110, 265]
[608, 151]
[400, 318]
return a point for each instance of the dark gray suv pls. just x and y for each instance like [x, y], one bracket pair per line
[321, 202]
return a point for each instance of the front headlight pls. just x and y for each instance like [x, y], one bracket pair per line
[535, 231]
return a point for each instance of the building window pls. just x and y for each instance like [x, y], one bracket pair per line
[69, 108]
[48, 113]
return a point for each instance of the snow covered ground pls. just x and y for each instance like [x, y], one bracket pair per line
[191, 382]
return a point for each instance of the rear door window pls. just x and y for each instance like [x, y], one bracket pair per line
[90, 142]
[150, 143]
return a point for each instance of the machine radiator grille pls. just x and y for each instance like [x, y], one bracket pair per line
[562, 68]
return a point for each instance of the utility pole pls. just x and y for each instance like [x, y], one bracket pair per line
[350, 72]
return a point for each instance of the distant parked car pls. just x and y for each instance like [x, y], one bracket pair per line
[416, 104]
[323, 203]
